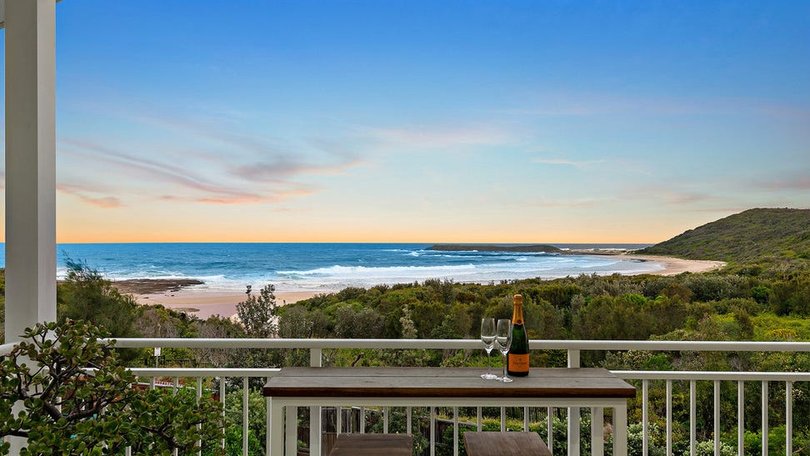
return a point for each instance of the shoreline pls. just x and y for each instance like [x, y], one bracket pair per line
[185, 296]
[674, 266]
[206, 303]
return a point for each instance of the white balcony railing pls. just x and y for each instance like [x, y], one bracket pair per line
[670, 379]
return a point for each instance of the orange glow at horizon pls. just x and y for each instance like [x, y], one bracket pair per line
[78, 222]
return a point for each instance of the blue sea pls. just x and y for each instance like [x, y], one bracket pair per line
[322, 267]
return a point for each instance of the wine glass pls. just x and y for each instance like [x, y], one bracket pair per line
[488, 338]
[503, 340]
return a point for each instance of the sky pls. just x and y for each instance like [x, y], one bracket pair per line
[426, 121]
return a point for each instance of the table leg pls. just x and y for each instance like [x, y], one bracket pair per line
[291, 426]
[276, 428]
[597, 431]
[315, 431]
[574, 418]
[620, 430]
[269, 426]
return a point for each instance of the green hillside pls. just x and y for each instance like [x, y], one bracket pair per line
[753, 235]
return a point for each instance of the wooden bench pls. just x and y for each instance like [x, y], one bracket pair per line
[504, 444]
[373, 445]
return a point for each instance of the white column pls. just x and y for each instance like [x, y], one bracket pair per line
[573, 412]
[30, 164]
[315, 425]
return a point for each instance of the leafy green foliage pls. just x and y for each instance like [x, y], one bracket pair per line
[752, 235]
[45, 371]
[78, 398]
[257, 313]
[257, 426]
[161, 421]
[86, 295]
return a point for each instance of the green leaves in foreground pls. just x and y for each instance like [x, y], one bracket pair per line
[77, 398]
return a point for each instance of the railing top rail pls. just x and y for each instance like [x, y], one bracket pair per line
[714, 375]
[203, 372]
[439, 344]
[623, 374]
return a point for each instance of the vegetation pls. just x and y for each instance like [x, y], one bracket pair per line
[257, 313]
[86, 296]
[70, 410]
[763, 294]
[755, 235]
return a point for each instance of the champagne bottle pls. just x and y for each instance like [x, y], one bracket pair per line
[518, 356]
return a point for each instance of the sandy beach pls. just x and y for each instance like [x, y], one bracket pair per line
[186, 295]
[675, 266]
[205, 303]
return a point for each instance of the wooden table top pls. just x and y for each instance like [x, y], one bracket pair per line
[444, 382]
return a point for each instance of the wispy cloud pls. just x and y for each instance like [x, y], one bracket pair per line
[572, 202]
[567, 162]
[682, 197]
[790, 182]
[222, 183]
[281, 168]
[198, 188]
[274, 197]
[441, 137]
[151, 169]
[240, 157]
[212, 131]
[582, 104]
[89, 196]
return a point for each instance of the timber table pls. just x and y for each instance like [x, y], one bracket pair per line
[441, 387]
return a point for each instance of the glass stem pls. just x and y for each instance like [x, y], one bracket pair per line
[489, 363]
[504, 366]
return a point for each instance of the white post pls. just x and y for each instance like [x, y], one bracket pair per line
[573, 412]
[315, 424]
[30, 164]
[30, 167]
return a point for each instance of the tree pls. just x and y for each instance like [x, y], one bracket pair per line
[87, 295]
[258, 314]
[408, 328]
[78, 398]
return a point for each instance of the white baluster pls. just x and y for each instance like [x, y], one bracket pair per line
[669, 417]
[764, 418]
[645, 433]
[692, 418]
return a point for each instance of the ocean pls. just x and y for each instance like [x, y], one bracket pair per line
[319, 267]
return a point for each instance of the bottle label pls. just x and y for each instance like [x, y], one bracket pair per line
[518, 363]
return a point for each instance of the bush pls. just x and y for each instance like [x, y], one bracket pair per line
[87, 296]
[69, 409]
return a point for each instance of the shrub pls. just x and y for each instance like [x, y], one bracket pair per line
[70, 409]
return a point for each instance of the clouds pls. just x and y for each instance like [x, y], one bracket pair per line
[282, 168]
[169, 176]
[432, 137]
[193, 159]
[222, 183]
[580, 164]
[89, 196]
[567, 203]
[789, 182]
[569, 104]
